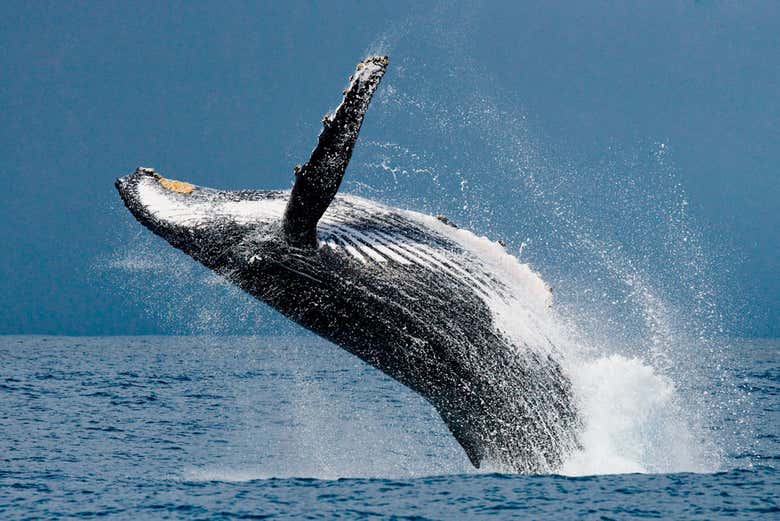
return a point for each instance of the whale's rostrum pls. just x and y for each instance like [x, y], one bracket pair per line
[429, 304]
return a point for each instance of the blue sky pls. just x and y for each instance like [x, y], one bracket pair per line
[637, 136]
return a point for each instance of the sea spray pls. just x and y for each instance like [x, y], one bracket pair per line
[181, 297]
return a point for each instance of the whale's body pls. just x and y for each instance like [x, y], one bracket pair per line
[413, 296]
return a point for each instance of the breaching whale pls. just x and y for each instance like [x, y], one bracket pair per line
[429, 304]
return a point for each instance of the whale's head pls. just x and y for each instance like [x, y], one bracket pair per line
[209, 225]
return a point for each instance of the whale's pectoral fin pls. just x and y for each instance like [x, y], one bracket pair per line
[317, 182]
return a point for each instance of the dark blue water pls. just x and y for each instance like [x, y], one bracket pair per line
[242, 427]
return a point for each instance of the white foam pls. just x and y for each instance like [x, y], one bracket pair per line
[227, 475]
[633, 422]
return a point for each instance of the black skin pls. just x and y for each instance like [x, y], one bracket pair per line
[503, 402]
[317, 182]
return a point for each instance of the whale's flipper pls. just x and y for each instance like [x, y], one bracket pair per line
[317, 182]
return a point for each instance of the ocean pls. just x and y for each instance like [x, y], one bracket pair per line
[199, 427]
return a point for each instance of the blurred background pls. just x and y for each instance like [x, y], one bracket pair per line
[629, 151]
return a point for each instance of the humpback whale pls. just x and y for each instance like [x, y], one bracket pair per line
[429, 304]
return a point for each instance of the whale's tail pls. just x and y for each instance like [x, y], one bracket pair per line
[317, 181]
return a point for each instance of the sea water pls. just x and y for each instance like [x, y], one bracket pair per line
[200, 427]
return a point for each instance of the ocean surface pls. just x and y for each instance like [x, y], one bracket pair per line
[293, 427]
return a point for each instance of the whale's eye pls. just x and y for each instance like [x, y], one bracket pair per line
[181, 187]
